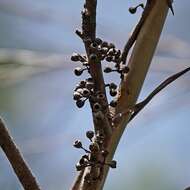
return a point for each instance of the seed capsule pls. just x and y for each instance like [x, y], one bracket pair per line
[111, 45]
[113, 164]
[78, 71]
[98, 41]
[76, 96]
[79, 167]
[94, 147]
[132, 10]
[105, 44]
[109, 58]
[86, 92]
[90, 134]
[113, 86]
[113, 103]
[108, 70]
[96, 107]
[75, 57]
[77, 144]
[80, 103]
[113, 92]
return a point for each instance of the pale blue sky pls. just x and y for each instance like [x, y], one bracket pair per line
[41, 114]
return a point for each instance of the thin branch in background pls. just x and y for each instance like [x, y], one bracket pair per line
[138, 107]
[16, 160]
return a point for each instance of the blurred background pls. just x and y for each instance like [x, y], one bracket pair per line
[36, 85]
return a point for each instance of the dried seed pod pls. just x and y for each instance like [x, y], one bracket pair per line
[100, 96]
[132, 10]
[111, 52]
[111, 45]
[86, 92]
[93, 46]
[108, 70]
[79, 167]
[76, 96]
[113, 103]
[104, 50]
[82, 83]
[80, 91]
[90, 135]
[105, 44]
[94, 147]
[80, 103]
[77, 144]
[98, 41]
[113, 86]
[113, 164]
[113, 92]
[125, 69]
[117, 54]
[97, 107]
[75, 57]
[109, 58]
[89, 85]
[78, 71]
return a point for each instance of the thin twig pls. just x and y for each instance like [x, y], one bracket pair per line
[138, 107]
[136, 31]
[16, 160]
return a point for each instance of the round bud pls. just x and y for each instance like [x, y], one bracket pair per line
[93, 46]
[80, 91]
[79, 167]
[96, 107]
[113, 86]
[113, 103]
[94, 147]
[82, 83]
[113, 164]
[86, 92]
[108, 70]
[80, 103]
[111, 45]
[101, 96]
[90, 134]
[125, 69]
[117, 54]
[104, 50]
[98, 41]
[111, 52]
[105, 44]
[113, 92]
[132, 10]
[75, 57]
[77, 144]
[109, 58]
[78, 71]
[76, 96]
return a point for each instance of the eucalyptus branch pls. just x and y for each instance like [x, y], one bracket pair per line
[16, 160]
[138, 107]
[95, 164]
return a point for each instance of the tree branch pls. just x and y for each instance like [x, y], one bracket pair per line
[136, 31]
[138, 107]
[16, 160]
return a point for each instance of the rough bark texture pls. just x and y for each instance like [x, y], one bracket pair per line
[16, 160]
